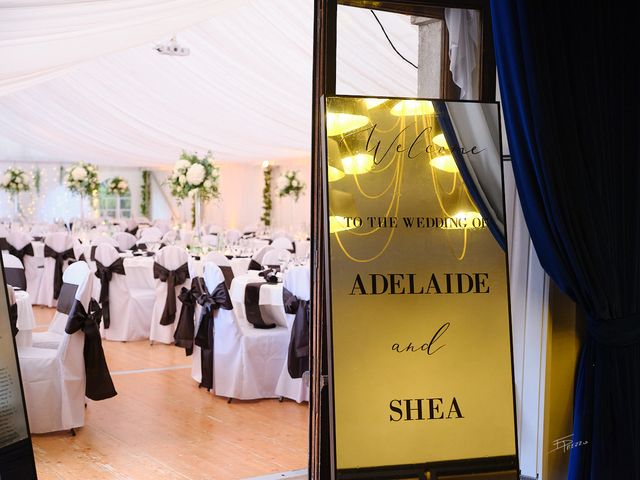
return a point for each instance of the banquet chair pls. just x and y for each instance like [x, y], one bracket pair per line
[232, 236]
[100, 240]
[247, 361]
[275, 257]
[218, 302]
[151, 234]
[297, 281]
[223, 262]
[163, 225]
[13, 271]
[131, 226]
[58, 251]
[126, 311]
[257, 258]
[125, 240]
[283, 242]
[170, 237]
[54, 380]
[20, 246]
[171, 271]
[73, 277]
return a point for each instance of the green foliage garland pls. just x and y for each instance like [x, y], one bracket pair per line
[145, 194]
[266, 198]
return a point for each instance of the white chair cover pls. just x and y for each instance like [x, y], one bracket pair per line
[76, 274]
[212, 276]
[19, 240]
[211, 240]
[169, 237]
[13, 262]
[247, 361]
[298, 281]
[232, 236]
[101, 239]
[213, 229]
[54, 380]
[162, 225]
[171, 258]
[259, 255]
[60, 242]
[282, 242]
[125, 240]
[151, 234]
[275, 256]
[130, 308]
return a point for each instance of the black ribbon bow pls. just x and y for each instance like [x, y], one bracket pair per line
[59, 257]
[173, 278]
[20, 253]
[99, 384]
[298, 356]
[269, 275]
[105, 274]
[185, 331]
[210, 302]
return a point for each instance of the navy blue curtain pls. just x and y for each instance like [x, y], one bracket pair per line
[444, 119]
[569, 87]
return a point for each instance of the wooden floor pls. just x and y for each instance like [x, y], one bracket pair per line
[160, 426]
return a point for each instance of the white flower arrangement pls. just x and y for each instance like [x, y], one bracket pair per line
[82, 178]
[118, 186]
[14, 180]
[290, 185]
[192, 173]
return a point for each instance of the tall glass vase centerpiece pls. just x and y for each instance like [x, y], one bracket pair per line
[15, 181]
[82, 179]
[196, 178]
[117, 186]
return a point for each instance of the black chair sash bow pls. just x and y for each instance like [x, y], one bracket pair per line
[270, 275]
[20, 253]
[99, 384]
[210, 302]
[173, 278]
[15, 277]
[105, 274]
[298, 355]
[185, 331]
[60, 258]
[67, 298]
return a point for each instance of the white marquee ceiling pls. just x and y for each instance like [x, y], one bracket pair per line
[244, 92]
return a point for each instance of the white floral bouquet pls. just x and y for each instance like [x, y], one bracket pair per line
[289, 185]
[82, 178]
[14, 180]
[193, 174]
[118, 186]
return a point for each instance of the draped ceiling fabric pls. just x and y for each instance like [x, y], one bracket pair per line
[244, 92]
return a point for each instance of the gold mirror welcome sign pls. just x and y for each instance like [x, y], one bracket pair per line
[420, 341]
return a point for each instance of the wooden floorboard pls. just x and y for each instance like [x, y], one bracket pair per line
[161, 426]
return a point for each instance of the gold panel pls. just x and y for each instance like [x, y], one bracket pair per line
[421, 345]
